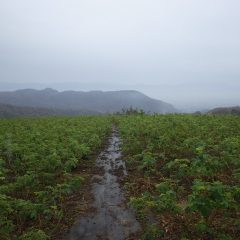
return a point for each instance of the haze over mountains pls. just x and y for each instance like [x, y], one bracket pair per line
[78, 102]
[225, 110]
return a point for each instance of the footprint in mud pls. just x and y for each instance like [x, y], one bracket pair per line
[112, 220]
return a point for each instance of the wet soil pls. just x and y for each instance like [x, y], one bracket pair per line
[111, 219]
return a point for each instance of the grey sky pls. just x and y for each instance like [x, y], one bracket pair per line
[186, 52]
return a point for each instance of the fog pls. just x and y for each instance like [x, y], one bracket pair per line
[185, 52]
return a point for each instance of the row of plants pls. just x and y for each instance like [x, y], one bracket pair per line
[37, 162]
[184, 180]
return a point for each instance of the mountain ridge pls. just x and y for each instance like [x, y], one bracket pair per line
[97, 101]
[235, 110]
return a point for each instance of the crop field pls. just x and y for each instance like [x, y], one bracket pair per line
[37, 157]
[184, 175]
[183, 178]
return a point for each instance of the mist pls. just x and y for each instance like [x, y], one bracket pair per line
[185, 52]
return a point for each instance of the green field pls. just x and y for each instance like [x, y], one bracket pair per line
[183, 182]
[37, 157]
[185, 175]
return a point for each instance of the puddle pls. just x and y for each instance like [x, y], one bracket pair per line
[112, 220]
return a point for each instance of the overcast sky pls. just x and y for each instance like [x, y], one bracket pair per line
[186, 52]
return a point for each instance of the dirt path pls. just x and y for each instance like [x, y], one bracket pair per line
[112, 220]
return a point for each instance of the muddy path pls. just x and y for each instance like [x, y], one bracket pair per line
[112, 219]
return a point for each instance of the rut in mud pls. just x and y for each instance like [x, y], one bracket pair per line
[112, 220]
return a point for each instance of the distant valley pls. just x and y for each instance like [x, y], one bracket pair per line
[9, 111]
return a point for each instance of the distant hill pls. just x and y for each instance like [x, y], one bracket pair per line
[9, 111]
[225, 110]
[95, 101]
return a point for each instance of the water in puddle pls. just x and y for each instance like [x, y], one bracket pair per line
[112, 219]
